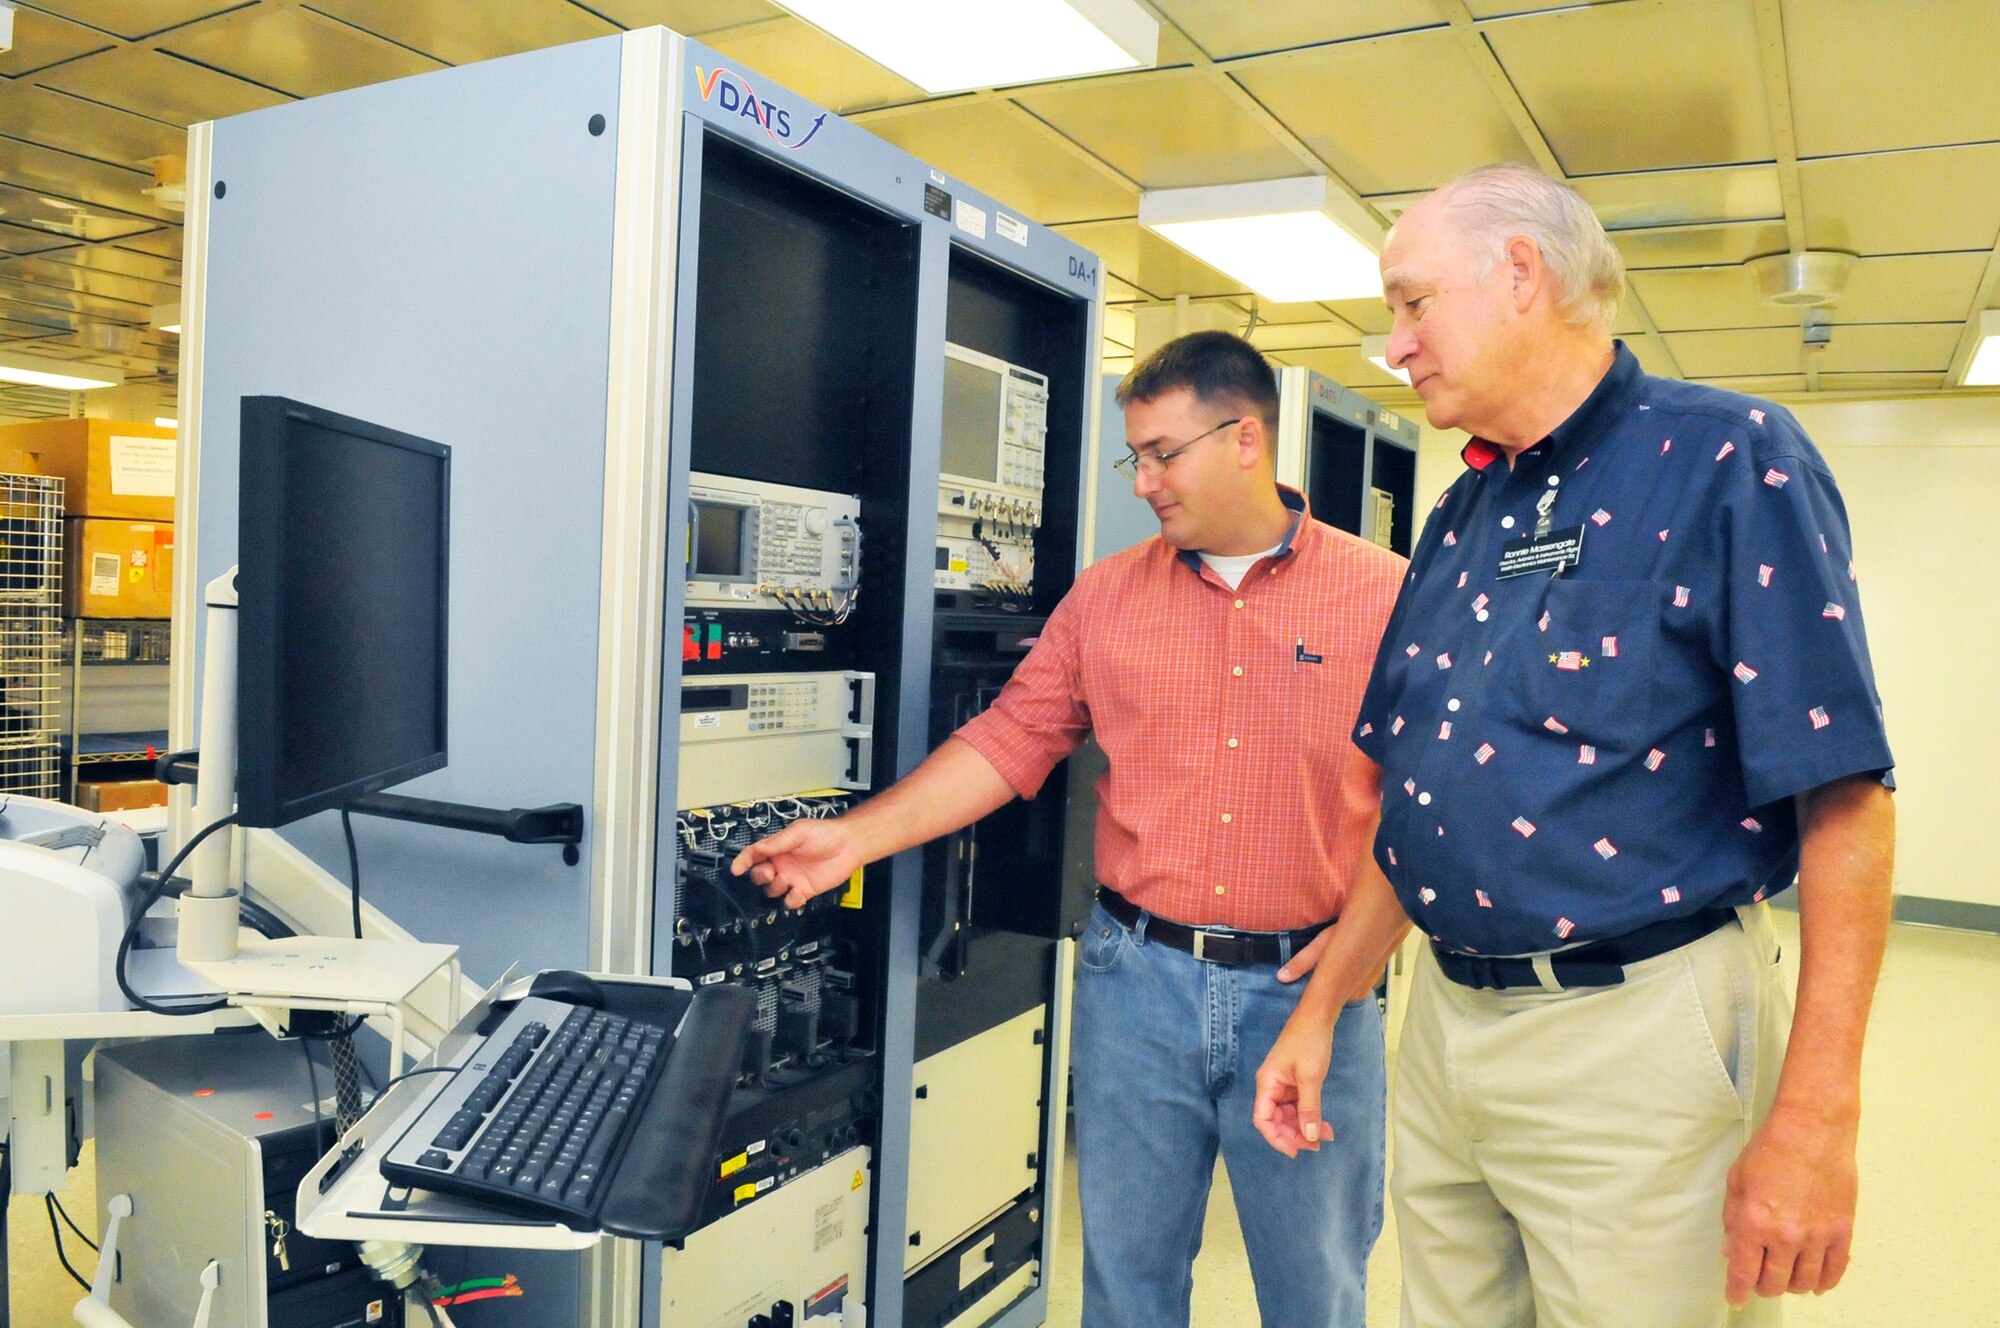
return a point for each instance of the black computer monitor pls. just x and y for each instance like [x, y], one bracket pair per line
[342, 570]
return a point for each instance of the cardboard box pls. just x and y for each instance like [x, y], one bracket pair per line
[110, 468]
[121, 795]
[118, 569]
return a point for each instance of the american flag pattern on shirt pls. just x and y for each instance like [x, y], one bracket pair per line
[1712, 504]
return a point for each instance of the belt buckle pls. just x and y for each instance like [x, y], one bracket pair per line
[1200, 944]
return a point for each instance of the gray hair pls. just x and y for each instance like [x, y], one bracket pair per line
[1500, 202]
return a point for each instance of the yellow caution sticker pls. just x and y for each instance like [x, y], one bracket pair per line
[747, 1190]
[734, 1165]
[857, 1179]
[852, 897]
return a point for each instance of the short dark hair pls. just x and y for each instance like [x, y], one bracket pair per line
[1219, 368]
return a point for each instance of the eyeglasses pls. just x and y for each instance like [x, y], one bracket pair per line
[1154, 464]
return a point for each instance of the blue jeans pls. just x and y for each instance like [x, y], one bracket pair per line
[1166, 1055]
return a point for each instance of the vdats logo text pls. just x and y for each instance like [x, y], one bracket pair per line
[732, 92]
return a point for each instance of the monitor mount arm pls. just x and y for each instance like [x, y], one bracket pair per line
[208, 910]
[558, 823]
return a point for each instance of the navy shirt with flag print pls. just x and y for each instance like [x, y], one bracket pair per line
[1569, 756]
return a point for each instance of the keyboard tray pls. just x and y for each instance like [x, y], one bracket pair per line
[655, 1191]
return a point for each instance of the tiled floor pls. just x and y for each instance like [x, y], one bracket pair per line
[1928, 1249]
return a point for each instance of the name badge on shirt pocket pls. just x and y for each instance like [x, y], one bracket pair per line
[1541, 553]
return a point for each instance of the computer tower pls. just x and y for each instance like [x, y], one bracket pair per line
[209, 1136]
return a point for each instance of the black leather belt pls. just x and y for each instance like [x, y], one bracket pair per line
[1211, 945]
[1599, 964]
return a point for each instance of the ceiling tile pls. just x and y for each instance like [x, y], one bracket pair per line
[1492, 9]
[44, 170]
[64, 217]
[103, 133]
[1698, 299]
[1120, 328]
[296, 50]
[137, 18]
[1628, 323]
[1136, 254]
[1297, 336]
[150, 83]
[1411, 111]
[1315, 312]
[1946, 47]
[1904, 202]
[994, 146]
[1653, 356]
[1881, 382]
[1761, 385]
[1912, 288]
[1225, 30]
[41, 40]
[1891, 348]
[68, 277]
[1343, 364]
[1701, 245]
[1117, 290]
[1371, 316]
[460, 32]
[802, 59]
[12, 329]
[1680, 198]
[691, 17]
[53, 322]
[167, 242]
[72, 301]
[124, 262]
[1733, 354]
[1641, 86]
[1168, 132]
[29, 240]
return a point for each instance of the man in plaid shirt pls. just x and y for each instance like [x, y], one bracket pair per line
[1221, 667]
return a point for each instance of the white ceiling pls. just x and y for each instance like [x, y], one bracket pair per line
[1705, 132]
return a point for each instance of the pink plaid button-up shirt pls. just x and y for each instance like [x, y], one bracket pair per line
[1235, 796]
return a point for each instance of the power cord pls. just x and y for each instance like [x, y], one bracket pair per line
[70, 1222]
[159, 888]
[61, 1256]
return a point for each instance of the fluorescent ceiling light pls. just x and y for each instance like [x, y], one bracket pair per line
[36, 371]
[165, 422]
[954, 45]
[1289, 240]
[1376, 349]
[166, 317]
[6, 28]
[1984, 371]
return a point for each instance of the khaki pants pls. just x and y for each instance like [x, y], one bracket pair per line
[1561, 1156]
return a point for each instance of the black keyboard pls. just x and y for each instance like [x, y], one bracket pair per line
[539, 1113]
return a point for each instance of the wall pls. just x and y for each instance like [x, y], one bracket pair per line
[1918, 476]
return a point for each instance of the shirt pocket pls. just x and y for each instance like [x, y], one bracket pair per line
[1587, 663]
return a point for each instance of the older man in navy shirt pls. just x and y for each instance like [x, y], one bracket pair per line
[1625, 696]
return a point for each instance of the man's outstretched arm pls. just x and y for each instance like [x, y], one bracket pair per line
[954, 787]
